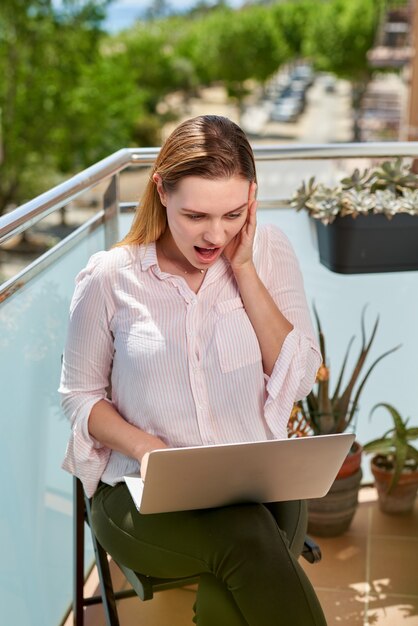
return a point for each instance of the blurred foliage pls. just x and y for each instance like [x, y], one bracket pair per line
[71, 94]
[235, 46]
[43, 55]
[292, 19]
[340, 40]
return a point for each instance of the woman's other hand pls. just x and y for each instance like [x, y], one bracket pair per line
[154, 444]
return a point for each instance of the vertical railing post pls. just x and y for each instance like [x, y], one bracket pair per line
[111, 211]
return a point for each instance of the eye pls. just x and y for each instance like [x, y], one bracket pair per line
[194, 216]
[233, 216]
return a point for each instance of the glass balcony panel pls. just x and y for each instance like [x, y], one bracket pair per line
[36, 496]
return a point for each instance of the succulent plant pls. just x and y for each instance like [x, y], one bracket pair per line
[395, 176]
[357, 180]
[389, 188]
[305, 192]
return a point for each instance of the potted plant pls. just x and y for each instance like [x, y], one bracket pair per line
[324, 412]
[395, 464]
[368, 221]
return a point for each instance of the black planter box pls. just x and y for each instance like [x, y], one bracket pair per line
[369, 244]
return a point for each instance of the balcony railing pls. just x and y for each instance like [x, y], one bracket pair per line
[36, 563]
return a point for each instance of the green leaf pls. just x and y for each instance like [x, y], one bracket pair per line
[412, 433]
[369, 371]
[412, 453]
[378, 446]
[397, 419]
[400, 458]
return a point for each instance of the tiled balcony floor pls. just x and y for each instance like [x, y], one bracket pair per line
[367, 577]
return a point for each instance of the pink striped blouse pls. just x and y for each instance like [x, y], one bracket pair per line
[183, 366]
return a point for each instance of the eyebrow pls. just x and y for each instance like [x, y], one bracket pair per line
[227, 213]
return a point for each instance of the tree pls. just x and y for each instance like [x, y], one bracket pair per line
[159, 67]
[293, 18]
[43, 53]
[235, 46]
[101, 112]
[339, 39]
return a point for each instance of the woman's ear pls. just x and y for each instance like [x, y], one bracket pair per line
[160, 188]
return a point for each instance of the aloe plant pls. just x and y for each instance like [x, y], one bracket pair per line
[394, 448]
[327, 412]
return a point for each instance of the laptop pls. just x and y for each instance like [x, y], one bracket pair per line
[199, 477]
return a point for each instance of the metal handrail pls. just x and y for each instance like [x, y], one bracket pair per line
[30, 213]
[33, 211]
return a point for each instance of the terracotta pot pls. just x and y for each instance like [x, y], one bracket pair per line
[401, 499]
[352, 462]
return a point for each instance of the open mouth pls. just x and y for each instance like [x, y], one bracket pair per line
[206, 255]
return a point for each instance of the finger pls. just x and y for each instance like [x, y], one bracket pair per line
[144, 464]
[251, 192]
[252, 210]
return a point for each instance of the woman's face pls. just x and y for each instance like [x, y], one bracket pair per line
[203, 216]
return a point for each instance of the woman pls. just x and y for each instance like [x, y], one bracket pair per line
[198, 320]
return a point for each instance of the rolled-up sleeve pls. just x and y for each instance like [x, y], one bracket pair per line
[295, 370]
[85, 371]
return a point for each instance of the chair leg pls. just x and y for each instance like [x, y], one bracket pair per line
[106, 586]
[78, 554]
[81, 515]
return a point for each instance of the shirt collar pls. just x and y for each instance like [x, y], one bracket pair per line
[148, 256]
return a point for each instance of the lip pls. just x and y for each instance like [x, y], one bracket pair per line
[207, 257]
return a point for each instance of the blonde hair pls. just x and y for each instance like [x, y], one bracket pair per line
[209, 146]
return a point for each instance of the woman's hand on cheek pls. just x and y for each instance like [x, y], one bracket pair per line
[239, 251]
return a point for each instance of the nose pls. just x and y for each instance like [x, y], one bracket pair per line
[214, 234]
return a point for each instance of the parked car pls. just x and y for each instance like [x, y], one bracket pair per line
[287, 109]
[303, 72]
[329, 82]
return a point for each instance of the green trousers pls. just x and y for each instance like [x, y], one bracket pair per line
[246, 556]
